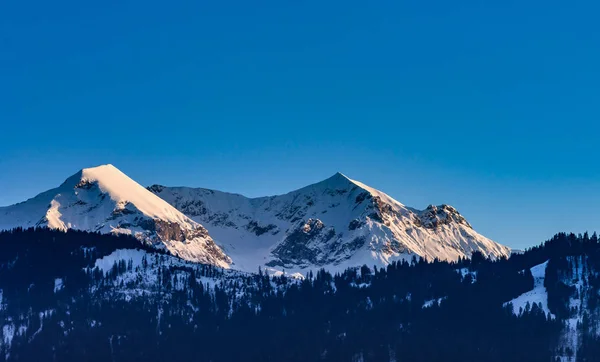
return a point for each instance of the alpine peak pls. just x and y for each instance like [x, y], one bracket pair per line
[104, 199]
[335, 223]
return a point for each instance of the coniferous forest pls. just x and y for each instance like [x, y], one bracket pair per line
[75, 296]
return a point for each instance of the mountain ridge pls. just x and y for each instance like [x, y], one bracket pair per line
[304, 216]
[335, 223]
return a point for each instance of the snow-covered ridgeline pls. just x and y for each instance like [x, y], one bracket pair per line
[336, 223]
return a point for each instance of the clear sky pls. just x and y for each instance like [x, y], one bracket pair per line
[490, 106]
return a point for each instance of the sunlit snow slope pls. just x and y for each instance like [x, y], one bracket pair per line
[334, 224]
[103, 199]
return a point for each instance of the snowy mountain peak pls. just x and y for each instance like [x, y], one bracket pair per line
[341, 182]
[104, 199]
[338, 182]
[340, 177]
[123, 190]
[336, 223]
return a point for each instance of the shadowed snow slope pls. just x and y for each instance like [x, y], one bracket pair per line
[336, 223]
[103, 199]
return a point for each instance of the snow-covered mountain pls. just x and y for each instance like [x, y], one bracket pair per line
[336, 223]
[103, 199]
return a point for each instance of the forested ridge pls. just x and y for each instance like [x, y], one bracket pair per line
[61, 302]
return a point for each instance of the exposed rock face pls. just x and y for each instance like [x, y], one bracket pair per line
[183, 242]
[155, 188]
[308, 244]
[171, 231]
[355, 224]
[258, 230]
[434, 216]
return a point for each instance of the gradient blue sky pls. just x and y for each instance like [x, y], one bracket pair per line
[490, 106]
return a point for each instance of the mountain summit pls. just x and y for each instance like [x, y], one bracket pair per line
[103, 199]
[335, 223]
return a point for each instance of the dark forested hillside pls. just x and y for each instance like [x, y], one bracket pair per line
[79, 296]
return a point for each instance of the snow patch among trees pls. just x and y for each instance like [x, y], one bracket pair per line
[538, 295]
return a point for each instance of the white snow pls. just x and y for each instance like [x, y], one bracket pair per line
[53, 216]
[538, 295]
[43, 315]
[578, 302]
[142, 280]
[431, 302]
[335, 203]
[22, 330]
[103, 199]
[277, 273]
[249, 230]
[135, 255]
[386, 198]
[465, 271]
[8, 333]
[121, 188]
[58, 284]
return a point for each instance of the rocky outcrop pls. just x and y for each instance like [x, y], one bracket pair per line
[308, 243]
[435, 216]
[258, 230]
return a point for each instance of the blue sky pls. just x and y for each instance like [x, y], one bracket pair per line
[492, 107]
